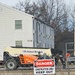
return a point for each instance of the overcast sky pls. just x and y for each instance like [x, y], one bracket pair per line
[70, 2]
[13, 2]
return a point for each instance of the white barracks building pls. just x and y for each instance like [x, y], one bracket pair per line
[23, 30]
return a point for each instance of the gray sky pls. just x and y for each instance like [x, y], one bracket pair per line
[10, 2]
[13, 2]
[70, 2]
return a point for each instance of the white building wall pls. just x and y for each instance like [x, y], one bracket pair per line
[8, 34]
[28, 36]
[45, 38]
[52, 38]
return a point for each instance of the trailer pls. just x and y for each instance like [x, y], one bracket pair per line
[14, 57]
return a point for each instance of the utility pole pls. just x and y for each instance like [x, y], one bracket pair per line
[74, 32]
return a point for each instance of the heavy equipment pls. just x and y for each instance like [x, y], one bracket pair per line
[23, 57]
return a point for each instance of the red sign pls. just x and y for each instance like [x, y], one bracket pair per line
[67, 54]
[44, 63]
[44, 66]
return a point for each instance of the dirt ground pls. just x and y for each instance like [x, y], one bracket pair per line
[58, 71]
[65, 72]
[30, 72]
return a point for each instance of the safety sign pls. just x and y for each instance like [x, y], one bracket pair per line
[44, 66]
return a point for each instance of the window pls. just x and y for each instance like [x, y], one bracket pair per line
[44, 29]
[18, 24]
[18, 43]
[38, 25]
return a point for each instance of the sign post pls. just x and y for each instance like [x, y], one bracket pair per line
[44, 66]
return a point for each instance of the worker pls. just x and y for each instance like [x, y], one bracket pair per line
[39, 55]
[62, 61]
[56, 58]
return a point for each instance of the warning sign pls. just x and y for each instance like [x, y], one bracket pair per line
[45, 66]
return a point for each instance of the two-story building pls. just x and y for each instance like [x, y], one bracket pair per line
[23, 30]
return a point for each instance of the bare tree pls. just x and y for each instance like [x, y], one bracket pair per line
[23, 6]
[60, 15]
[46, 10]
[54, 13]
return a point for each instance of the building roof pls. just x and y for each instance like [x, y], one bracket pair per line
[42, 21]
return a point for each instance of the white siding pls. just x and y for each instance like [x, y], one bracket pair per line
[45, 35]
[8, 34]
[30, 37]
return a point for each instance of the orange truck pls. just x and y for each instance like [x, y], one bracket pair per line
[23, 57]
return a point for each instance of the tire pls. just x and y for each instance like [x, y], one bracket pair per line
[11, 64]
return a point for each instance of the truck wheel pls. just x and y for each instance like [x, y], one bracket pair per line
[11, 64]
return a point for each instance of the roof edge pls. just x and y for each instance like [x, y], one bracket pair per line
[7, 6]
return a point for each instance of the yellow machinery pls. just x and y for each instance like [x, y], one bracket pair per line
[16, 57]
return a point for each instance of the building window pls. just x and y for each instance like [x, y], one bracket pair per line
[18, 43]
[38, 24]
[44, 29]
[18, 24]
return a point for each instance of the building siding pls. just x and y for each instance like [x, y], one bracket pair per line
[43, 37]
[31, 35]
[8, 33]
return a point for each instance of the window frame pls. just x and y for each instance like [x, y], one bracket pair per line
[18, 43]
[18, 24]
